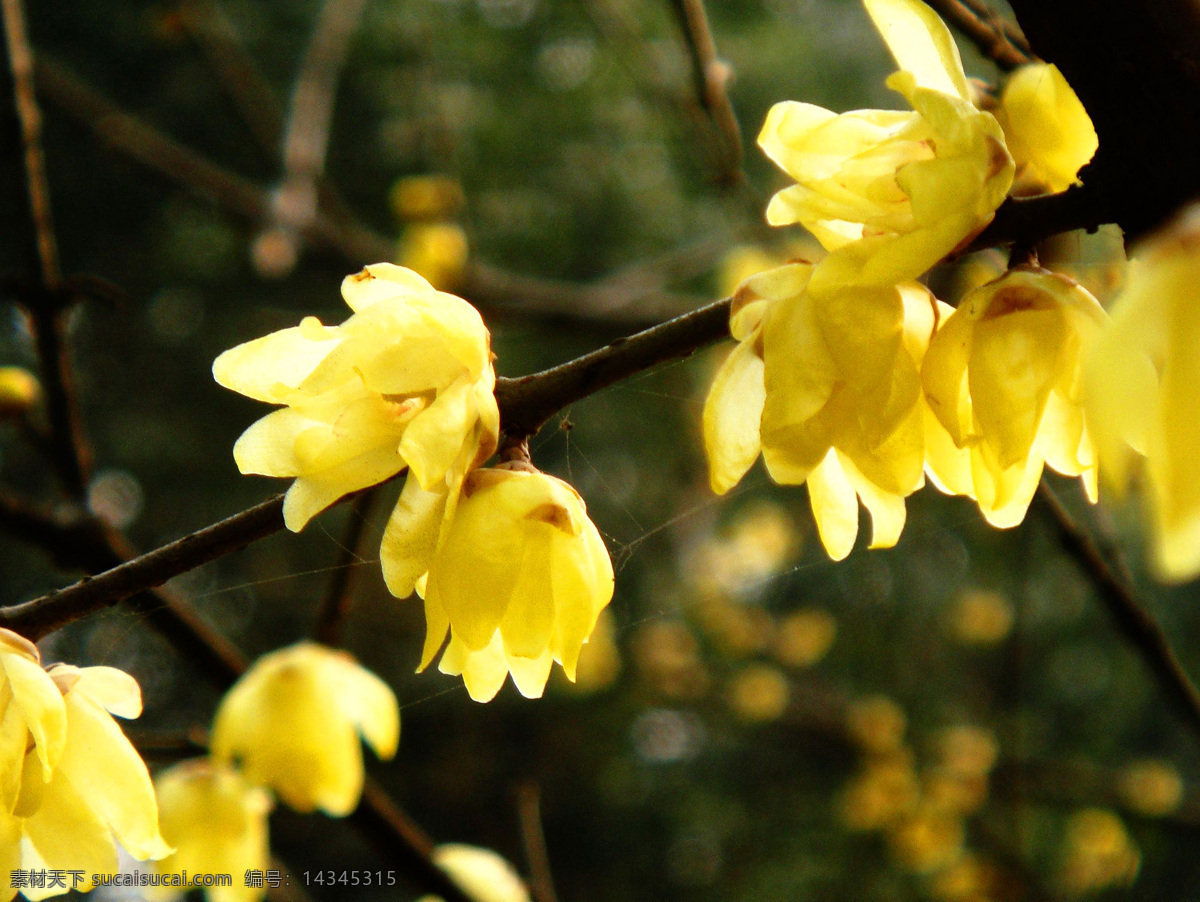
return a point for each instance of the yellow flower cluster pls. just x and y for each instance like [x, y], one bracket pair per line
[290, 726]
[851, 377]
[407, 381]
[71, 785]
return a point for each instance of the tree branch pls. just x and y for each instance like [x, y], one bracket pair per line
[999, 40]
[47, 303]
[1130, 615]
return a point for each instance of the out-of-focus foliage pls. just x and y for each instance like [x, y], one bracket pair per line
[951, 719]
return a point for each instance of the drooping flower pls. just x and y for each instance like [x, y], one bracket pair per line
[1142, 384]
[518, 582]
[406, 381]
[1046, 128]
[892, 193]
[1002, 376]
[33, 717]
[99, 793]
[826, 383]
[292, 723]
[217, 822]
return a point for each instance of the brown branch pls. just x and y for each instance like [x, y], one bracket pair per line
[529, 813]
[528, 402]
[1029, 220]
[47, 303]
[20, 60]
[1130, 615]
[295, 202]
[711, 77]
[487, 286]
[242, 80]
[997, 39]
[336, 604]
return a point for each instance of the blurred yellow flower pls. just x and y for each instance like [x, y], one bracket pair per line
[805, 636]
[481, 873]
[759, 693]
[405, 382]
[518, 582]
[1098, 853]
[1048, 132]
[19, 391]
[292, 723]
[436, 250]
[826, 383]
[1152, 788]
[1002, 376]
[1141, 384]
[877, 723]
[425, 197]
[599, 662]
[99, 792]
[217, 823]
[891, 193]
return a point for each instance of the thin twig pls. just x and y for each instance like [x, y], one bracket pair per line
[529, 813]
[998, 40]
[48, 305]
[711, 77]
[331, 616]
[306, 140]
[1130, 615]
[241, 78]
[20, 60]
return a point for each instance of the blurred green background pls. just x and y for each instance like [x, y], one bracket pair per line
[954, 719]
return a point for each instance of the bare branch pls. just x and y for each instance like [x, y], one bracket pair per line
[997, 39]
[295, 202]
[1130, 615]
[48, 304]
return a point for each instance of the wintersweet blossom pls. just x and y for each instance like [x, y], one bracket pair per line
[1141, 385]
[481, 873]
[33, 715]
[217, 822]
[1002, 376]
[407, 381]
[892, 193]
[518, 582]
[292, 723]
[1046, 128]
[826, 384]
[99, 792]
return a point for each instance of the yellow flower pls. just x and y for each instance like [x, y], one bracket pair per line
[19, 391]
[891, 193]
[518, 582]
[33, 717]
[436, 250]
[99, 793]
[293, 720]
[1002, 376]
[1048, 132]
[826, 383]
[481, 873]
[405, 382]
[1142, 382]
[217, 823]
